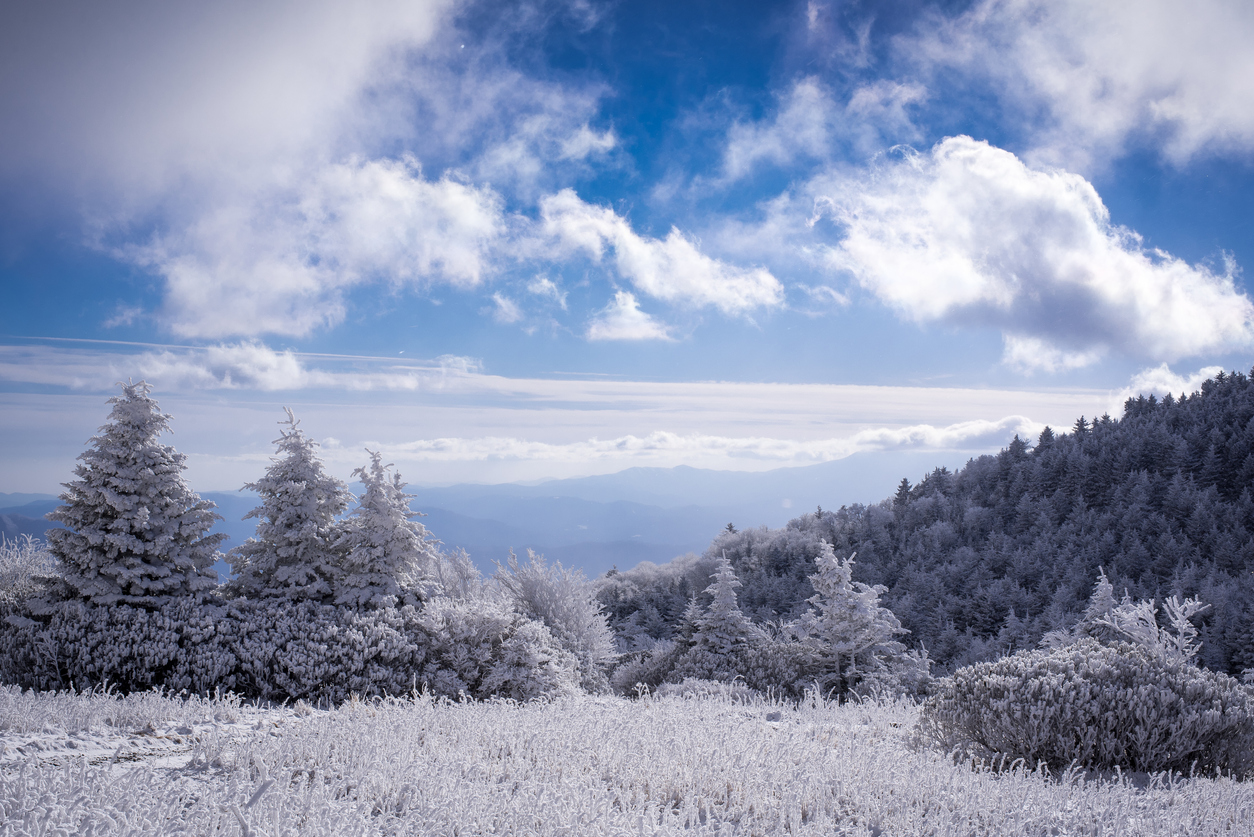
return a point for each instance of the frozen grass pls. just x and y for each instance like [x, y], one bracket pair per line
[71, 712]
[582, 766]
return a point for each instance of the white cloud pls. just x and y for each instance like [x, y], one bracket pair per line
[1105, 72]
[546, 287]
[280, 264]
[809, 122]
[968, 234]
[622, 319]
[260, 142]
[1160, 381]
[507, 311]
[801, 128]
[226, 401]
[140, 97]
[675, 448]
[672, 269]
[585, 142]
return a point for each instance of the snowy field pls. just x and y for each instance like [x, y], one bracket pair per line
[95, 764]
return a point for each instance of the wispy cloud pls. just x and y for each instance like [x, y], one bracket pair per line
[1088, 78]
[674, 448]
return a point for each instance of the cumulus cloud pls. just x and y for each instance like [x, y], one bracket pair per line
[672, 269]
[622, 319]
[1102, 72]
[281, 264]
[137, 97]
[265, 144]
[967, 233]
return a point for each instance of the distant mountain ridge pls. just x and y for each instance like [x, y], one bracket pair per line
[594, 523]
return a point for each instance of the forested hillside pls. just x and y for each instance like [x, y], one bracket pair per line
[986, 560]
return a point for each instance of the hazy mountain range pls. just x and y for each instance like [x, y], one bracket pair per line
[595, 523]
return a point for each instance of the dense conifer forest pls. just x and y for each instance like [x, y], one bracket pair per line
[985, 561]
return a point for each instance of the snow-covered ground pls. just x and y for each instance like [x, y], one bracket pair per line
[147, 764]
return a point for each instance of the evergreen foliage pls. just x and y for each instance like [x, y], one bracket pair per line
[135, 533]
[297, 553]
[387, 555]
[847, 631]
[986, 561]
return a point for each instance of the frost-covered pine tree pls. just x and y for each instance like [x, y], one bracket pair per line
[295, 553]
[135, 533]
[386, 553]
[722, 635]
[849, 631]
[723, 629]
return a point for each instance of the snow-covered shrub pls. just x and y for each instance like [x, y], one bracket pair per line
[136, 534]
[484, 648]
[645, 670]
[295, 554]
[26, 570]
[565, 601]
[85, 645]
[387, 555]
[1136, 622]
[457, 576]
[316, 652]
[1095, 705]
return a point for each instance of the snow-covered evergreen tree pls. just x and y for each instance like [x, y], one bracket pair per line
[723, 629]
[386, 553]
[135, 533]
[848, 630]
[295, 553]
[722, 636]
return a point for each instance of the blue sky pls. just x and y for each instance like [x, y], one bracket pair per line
[517, 241]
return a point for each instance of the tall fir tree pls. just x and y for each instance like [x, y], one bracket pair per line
[296, 553]
[135, 533]
[388, 555]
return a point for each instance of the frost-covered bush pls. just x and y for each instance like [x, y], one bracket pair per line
[295, 554]
[387, 555]
[1095, 705]
[135, 533]
[485, 648]
[26, 569]
[315, 652]
[283, 650]
[645, 670]
[565, 601]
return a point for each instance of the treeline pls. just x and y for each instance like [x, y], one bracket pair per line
[982, 562]
[334, 596]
